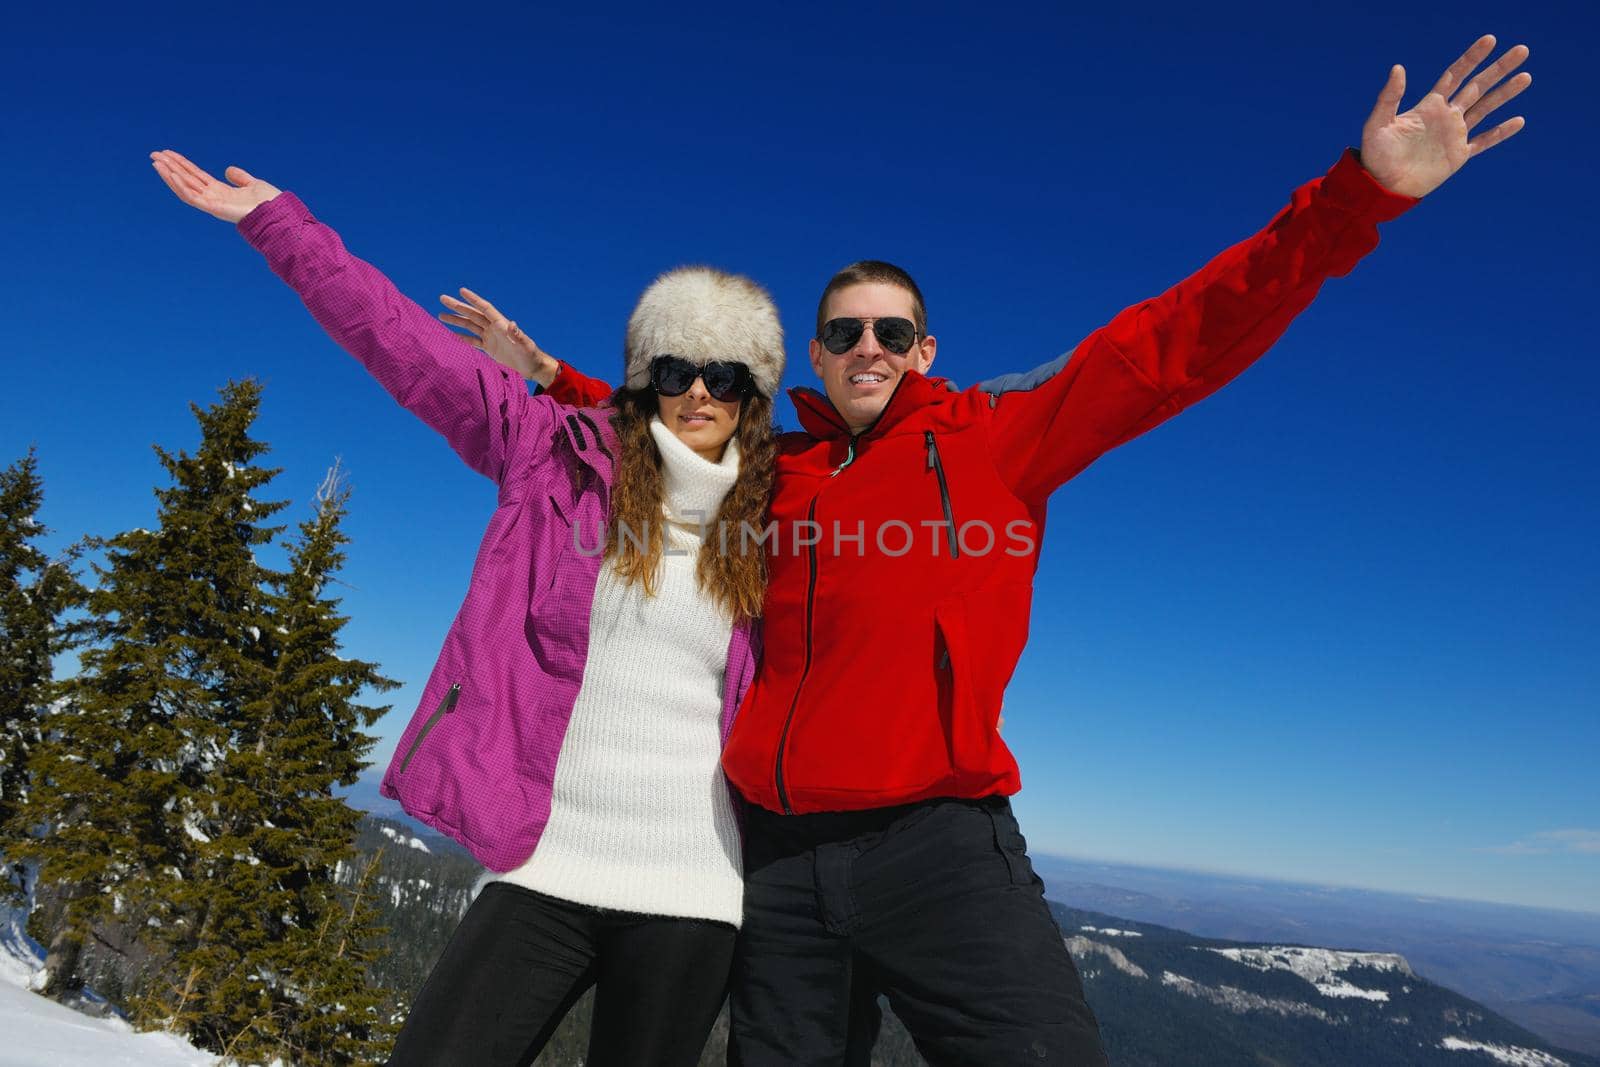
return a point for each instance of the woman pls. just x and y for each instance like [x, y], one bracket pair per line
[570, 732]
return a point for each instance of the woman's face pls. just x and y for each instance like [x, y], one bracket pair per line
[700, 420]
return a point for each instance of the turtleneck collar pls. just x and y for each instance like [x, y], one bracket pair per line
[692, 486]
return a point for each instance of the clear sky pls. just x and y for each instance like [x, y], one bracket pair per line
[1338, 624]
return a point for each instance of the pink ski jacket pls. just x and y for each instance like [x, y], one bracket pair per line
[478, 760]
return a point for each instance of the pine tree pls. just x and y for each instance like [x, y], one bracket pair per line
[284, 970]
[35, 594]
[131, 780]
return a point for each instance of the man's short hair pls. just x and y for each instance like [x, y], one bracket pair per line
[874, 270]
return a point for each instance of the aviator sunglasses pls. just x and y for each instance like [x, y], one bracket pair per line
[673, 375]
[896, 334]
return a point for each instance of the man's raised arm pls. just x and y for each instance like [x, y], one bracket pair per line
[1158, 357]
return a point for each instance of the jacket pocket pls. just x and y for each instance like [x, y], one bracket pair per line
[966, 736]
[446, 706]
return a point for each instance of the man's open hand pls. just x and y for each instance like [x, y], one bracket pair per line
[487, 329]
[1413, 153]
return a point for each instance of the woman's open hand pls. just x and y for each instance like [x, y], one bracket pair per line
[195, 187]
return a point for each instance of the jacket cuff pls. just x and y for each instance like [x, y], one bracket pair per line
[540, 390]
[281, 211]
[1350, 186]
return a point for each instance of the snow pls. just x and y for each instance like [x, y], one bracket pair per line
[409, 842]
[191, 826]
[1508, 1054]
[1341, 988]
[42, 1033]
[1082, 946]
[1111, 931]
[1321, 967]
[1239, 1001]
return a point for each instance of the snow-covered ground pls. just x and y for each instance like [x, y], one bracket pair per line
[1322, 967]
[1110, 931]
[409, 842]
[42, 1033]
[1507, 1054]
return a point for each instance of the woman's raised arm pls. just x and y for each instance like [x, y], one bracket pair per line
[481, 408]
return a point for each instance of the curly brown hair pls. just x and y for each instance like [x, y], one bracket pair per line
[727, 569]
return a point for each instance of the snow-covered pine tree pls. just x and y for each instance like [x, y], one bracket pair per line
[146, 829]
[35, 594]
[283, 972]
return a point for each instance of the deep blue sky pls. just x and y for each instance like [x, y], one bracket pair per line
[1336, 624]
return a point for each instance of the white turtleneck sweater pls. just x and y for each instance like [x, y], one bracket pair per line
[640, 818]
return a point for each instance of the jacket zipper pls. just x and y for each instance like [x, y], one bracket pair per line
[446, 706]
[937, 467]
[811, 592]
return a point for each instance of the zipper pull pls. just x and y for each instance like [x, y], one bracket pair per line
[927, 435]
[849, 458]
[451, 697]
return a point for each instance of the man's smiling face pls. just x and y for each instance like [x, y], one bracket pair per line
[860, 381]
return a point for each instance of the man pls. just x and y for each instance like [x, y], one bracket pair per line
[880, 848]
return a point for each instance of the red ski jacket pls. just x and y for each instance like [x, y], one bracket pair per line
[902, 558]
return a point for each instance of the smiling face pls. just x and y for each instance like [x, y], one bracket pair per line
[700, 420]
[860, 381]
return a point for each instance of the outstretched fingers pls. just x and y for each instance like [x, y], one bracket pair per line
[164, 172]
[1489, 77]
[196, 178]
[181, 184]
[177, 180]
[1506, 91]
[1485, 141]
[1457, 72]
[466, 310]
[464, 318]
[488, 310]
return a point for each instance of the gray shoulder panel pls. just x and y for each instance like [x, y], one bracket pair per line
[1025, 381]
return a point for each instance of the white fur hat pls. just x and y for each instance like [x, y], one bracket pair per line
[704, 314]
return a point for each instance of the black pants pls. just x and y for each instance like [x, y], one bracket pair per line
[520, 960]
[939, 903]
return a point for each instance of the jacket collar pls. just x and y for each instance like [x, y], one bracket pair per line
[911, 393]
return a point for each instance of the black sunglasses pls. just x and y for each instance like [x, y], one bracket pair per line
[840, 335]
[673, 375]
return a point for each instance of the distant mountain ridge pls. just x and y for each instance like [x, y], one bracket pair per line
[1538, 967]
[1164, 997]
